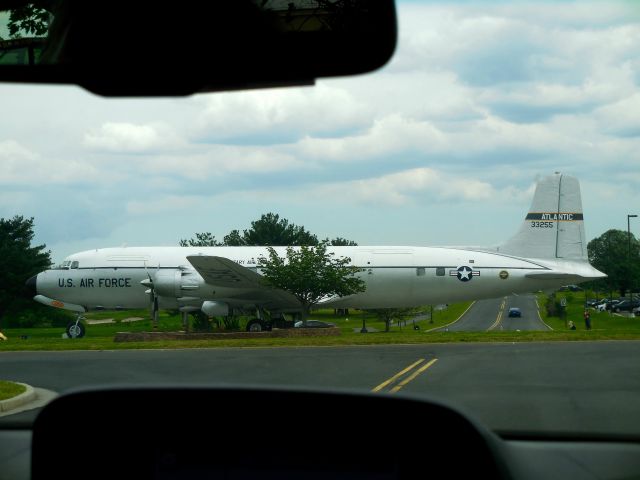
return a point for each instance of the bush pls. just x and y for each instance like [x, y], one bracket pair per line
[34, 315]
[231, 323]
[550, 305]
[554, 308]
[201, 323]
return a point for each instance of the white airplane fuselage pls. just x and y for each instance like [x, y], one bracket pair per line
[395, 276]
[548, 251]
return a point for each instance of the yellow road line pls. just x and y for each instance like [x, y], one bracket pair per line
[413, 376]
[499, 318]
[397, 375]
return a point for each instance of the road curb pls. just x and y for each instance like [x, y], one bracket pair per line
[25, 397]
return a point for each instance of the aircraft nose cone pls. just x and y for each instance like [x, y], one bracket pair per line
[32, 285]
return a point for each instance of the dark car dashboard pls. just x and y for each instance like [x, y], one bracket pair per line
[242, 433]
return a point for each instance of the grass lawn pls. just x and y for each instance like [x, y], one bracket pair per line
[603, 324]
[100, 337]
[10, 389]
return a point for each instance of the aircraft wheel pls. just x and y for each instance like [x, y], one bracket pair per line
[255, 325]
[75, 331]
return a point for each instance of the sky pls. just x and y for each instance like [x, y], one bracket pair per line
[442, 146]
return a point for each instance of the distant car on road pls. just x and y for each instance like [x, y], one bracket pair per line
[515, 312]
[314, 324]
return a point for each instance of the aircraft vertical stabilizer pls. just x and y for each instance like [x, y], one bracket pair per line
[554, 225]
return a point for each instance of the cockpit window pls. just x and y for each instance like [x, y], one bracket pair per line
[74, 264]
[64, 265]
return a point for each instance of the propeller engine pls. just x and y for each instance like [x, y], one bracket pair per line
[180, 284]
[153, 297]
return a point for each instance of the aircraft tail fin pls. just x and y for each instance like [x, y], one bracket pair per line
[554, 225]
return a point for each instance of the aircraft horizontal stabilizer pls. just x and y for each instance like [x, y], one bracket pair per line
[568, 272]
[552, 276]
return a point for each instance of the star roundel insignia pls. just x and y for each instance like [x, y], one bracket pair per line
[464, 273]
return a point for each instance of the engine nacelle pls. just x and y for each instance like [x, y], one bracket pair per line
[167, 283]
[176, 283]
[215, 309]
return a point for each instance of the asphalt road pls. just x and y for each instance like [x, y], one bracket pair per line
[556, 386]
[492, 315]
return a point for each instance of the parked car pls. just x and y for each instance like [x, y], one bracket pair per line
[608, 305]
[626, 306]
[515, 312]
[314, 324]
[570, 288]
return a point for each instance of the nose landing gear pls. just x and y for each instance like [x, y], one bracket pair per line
[76, 329]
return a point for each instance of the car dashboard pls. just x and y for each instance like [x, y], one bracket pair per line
[243, 433]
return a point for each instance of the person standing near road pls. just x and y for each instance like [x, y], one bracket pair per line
[587, 319]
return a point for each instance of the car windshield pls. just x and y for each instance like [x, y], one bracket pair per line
[443, 146]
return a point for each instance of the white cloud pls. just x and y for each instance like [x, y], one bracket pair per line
[322, 108]
[215, 161]
[131, 138]
[163, 204]
[413, 186]
[12, 154]
[479, 98]
[621, 117]
[419, 95]
[387, 136]
[527, 61]
[23, 166]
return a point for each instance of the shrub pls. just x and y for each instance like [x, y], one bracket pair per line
[200, 322]
[35, 315]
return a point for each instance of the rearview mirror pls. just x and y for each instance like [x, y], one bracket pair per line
[146, 47]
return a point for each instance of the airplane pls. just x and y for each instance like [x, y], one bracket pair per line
[547, 252]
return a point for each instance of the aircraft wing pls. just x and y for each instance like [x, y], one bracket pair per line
[222, 272]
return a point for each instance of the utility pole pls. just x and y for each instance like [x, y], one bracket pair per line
[629, 217]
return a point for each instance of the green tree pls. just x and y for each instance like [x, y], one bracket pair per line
[205, 239]
[341, 242]
[268, 230]
[271, 230]
[609, 253]
[311, 274]
[19, 261]
[30, 20]
[234, 239]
